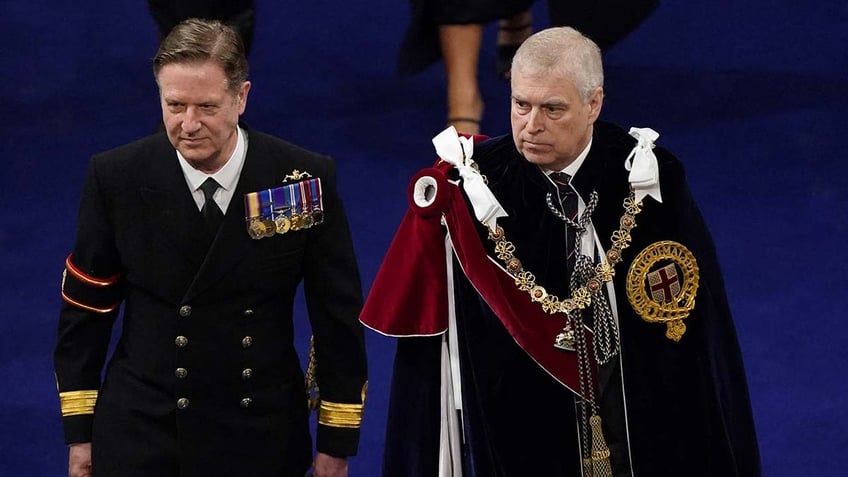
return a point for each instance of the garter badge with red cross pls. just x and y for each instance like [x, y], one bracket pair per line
[661, 285]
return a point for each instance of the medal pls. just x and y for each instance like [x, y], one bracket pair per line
[270, 227]
[266, 201]
[295, 203]
[296, 223]
[280, 207]
[316, 201]
[256, 229]
[302, 197]
[317, 216]
[283, 224]
[291, 207]
[307, 220]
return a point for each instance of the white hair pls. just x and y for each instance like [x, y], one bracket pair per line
[563, 51]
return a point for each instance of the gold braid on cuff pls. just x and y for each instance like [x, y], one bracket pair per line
[77, 403]
[335, 414]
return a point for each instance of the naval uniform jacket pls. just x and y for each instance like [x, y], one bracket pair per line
[205, 379]
[669, 408]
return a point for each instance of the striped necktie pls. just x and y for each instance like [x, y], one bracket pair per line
[568, 201]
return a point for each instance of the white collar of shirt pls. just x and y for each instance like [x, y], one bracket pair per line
[227, 176]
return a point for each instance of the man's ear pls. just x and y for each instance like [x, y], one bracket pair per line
[242, 96]
[596, 102]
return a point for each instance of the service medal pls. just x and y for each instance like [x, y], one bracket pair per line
[283, 224]
[296, 223]
[270, 227]
[308, 221]
[256, 229]
[317, 215]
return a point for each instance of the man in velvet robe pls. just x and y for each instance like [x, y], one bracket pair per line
[478, 386]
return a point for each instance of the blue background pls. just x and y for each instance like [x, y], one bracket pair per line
[750, 95]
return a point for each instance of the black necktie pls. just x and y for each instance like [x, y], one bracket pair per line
[568, 200]
[211, 212]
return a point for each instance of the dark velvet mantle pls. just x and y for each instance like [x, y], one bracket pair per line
[687, 406]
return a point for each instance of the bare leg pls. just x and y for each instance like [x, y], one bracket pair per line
[460, 46]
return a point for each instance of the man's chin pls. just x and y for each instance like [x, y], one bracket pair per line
[194, 156]
[536, 158]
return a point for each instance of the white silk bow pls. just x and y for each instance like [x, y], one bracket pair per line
[457, 151]
[642, 164]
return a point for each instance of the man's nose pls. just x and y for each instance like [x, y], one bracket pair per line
[535, 120]
[191, 121]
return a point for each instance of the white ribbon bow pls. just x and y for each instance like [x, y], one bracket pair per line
[642, 164]
[457, 151]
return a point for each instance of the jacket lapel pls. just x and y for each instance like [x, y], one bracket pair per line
[170, 210]
[232, 242]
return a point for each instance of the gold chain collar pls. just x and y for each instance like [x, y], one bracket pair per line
[582, 297]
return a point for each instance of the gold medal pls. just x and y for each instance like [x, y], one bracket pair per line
[283, 224]
[296, 223]
[270, 227]
[256, 229]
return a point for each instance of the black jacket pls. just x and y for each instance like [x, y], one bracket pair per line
[205, 320]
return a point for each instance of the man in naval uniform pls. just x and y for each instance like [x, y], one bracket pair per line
[205, 379]
[566, 314]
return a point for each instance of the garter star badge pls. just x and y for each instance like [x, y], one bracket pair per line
[661, 285]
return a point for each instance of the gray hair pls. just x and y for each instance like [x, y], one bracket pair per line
[196, 41]
[564, 51]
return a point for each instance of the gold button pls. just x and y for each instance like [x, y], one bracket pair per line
[246, 374]
[246, 402]
[185, 311]
[246, 342]
[182, 403]
[181, 341]
[181, 373]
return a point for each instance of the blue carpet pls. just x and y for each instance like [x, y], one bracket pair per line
[750, 95]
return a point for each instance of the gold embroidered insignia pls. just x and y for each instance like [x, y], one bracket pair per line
[661, 285]
[296, 175]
